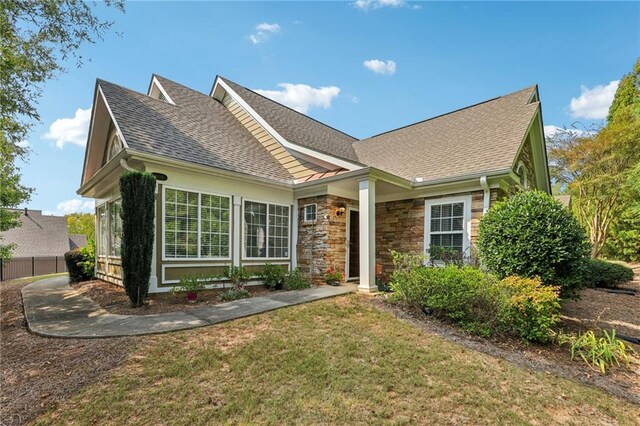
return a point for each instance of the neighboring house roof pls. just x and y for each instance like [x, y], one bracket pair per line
[198, 129]
[77, 241]
[480, 138]
[296, 127]
[39, 235]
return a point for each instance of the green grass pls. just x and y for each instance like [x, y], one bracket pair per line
[341, 361]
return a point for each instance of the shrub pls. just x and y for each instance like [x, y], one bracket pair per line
[75, 260]
[88, 262]
[138, 214]
[600, 352]
[530, 309]
[532, 234]
[295, 280]
[238, 275]
[190, 284]
[600, 273]
[273, 276]
[234, 294]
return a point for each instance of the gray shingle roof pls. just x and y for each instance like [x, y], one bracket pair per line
[298, 128]
[198, 129]
[77, 241]
[39, 235]
[480, 138]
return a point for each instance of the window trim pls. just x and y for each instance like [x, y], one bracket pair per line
[243, 252]
[524, 178]
[107, 203]
[187, 259]
[466, 220]
[304, 213]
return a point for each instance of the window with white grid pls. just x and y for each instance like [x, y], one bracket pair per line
[309, 212]
[446, 225]
[278, 231]
[196, 225]
[103, 230]
[215, 224]
[266, 230]
[115, 227]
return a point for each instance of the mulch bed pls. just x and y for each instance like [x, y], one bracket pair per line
[38, 373]
[595, 310]
[113, 298]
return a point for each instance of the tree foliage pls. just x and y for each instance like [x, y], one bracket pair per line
[138, 212]
[596, 167]
[36, 38]
[82, 223]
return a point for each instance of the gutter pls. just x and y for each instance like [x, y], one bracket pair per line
[487, 194]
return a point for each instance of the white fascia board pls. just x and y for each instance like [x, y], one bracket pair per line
[288, 145]
[113, 119]
[155, 82]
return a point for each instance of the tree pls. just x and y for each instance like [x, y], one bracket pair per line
[36, 37]
[138, 212]
[594, 167]
[82, 223]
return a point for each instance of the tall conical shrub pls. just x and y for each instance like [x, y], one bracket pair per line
[138, 211]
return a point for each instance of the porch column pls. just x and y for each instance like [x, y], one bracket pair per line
[367, 205]
[237, 223]
[153, 278]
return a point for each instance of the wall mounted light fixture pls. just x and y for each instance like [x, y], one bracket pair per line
[340, 210]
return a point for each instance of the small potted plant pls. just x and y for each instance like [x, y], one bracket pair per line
[191, 285]
[333, 277]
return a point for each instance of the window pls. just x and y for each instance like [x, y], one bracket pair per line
[446, 223]
[196, 225]
[115, 146]
[103, 231]
[115, 227]
[521, 171]
[309, 213]
[266, 230]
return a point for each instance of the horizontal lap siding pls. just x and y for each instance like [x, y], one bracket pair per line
[298, 168]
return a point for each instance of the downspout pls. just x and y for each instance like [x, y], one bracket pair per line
[126, 166]
[487, 194]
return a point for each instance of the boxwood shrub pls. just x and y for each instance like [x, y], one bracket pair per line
[600, 273]
[76, 265]
[532, 234]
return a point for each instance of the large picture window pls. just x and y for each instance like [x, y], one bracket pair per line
[103, 231]
[115, 227]
[446, 224]
[196, 225]
[266, 230]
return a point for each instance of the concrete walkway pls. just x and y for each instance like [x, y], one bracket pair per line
[54, 309]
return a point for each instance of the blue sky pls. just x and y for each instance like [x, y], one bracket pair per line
[363, 67]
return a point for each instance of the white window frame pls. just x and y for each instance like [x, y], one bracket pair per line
[466, 221]
[109, 204]
[231, 224]
[99, 239]
[315, 213]
[243, 249]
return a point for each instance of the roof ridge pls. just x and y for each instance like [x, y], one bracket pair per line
[99, 80]
[181, 85]
[291, 109]
[448, 113]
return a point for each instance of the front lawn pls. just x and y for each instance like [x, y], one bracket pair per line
[341, 360]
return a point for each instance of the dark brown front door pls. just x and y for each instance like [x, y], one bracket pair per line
[354, 244]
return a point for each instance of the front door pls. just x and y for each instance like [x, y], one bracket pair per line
[353, 262]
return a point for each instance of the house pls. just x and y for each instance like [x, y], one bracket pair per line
[41, 235]
[244, 180]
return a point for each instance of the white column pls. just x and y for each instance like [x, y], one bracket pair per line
[294, 235]
[237, 223]
[367, 205]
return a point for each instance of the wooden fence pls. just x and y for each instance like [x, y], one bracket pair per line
[19, 267]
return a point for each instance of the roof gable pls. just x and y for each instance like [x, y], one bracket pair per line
[482, 138]
[296, 127]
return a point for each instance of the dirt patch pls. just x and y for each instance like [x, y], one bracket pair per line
[38, 373]
[113, 298]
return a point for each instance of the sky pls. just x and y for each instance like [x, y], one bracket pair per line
[363, 67]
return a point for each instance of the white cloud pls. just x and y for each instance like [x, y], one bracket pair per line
[378, 4]
[70, 130]
[74, 205]
[263, 32]
[301, 96]
[380, 67]
[593, 103]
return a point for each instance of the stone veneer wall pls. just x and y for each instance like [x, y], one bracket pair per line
[323, 244]
[400, 225]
